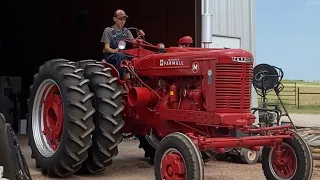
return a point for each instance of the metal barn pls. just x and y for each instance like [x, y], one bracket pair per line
[232, 25]
[73, 31]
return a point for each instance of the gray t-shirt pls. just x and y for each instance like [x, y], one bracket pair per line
[107, 34]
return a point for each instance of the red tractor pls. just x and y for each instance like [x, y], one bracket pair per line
[181, 102]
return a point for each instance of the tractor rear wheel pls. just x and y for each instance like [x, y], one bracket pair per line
[83, 64]
[108, 117]
[60, 118]
[177, 157]
[295, 162]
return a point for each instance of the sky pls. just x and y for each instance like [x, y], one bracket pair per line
[288, 36]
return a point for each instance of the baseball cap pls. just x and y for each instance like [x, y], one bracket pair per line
[120, 14]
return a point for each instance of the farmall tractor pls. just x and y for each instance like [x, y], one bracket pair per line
[181, 102]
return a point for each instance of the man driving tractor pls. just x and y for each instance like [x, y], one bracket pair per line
[111, 36]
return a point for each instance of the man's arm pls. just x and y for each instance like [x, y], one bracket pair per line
[129, 35]
[108, 49]
[106, 36]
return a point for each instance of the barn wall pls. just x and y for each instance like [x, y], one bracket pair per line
[32, 32]
[234, 18]
[72, 29]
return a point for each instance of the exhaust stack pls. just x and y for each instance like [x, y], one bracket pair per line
[206, 29]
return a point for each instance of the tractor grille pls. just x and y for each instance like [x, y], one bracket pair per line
[233, 86]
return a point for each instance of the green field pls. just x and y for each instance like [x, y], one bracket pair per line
[308, 103]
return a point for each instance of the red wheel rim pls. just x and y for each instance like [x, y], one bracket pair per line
[52, 116]
[173, 166]
[286, 166]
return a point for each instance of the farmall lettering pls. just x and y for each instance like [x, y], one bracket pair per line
[171, 62]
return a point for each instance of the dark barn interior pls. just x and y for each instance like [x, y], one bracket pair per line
[32, 32]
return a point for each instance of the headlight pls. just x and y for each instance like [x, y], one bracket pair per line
[161, 46]
[122, 45]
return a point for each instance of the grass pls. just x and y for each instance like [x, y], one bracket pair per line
[308, 103]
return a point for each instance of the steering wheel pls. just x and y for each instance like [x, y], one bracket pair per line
[136, 41]
[138, 31]
[139, 41]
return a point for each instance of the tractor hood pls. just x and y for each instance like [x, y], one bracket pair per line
[183, 60]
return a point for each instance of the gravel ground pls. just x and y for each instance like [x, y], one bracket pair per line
[130, 165]
[304, 120]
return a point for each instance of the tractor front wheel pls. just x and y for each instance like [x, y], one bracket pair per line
[60, 118]
[177, 157]
[295, 162]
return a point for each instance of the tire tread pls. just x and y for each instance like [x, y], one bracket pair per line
[107, 118]
[73, 148]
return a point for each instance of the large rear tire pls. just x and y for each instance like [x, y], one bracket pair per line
[60, 118]
[296, 161]
[108, 117]
[11, 157]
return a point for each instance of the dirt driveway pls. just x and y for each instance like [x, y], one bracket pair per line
[131, 165]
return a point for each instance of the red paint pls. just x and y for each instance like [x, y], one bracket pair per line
[53, 116]
[139, 49]
[141, 96]
[284, 161]
[225, 141]
[173, 167]
[185, 41]
[114, 71]
[159, 94]
[193, 99]
[173, 96]
[200, 92]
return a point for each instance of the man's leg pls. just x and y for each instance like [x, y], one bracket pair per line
[115, 60]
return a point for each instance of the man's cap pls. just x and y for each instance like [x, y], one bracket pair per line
[120, 14]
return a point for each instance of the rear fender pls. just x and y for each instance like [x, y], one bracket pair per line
[114, 71]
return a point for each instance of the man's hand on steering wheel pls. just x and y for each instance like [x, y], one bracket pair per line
[141, 33]
[116, 50]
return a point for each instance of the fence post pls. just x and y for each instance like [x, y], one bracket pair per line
[298, 97]
[295, 93]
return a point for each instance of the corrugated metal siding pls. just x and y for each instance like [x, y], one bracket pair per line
[233, 18]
